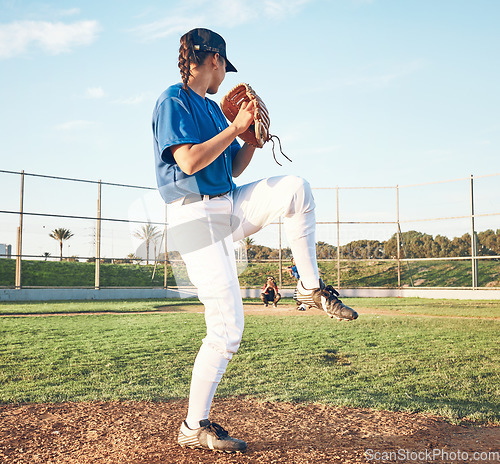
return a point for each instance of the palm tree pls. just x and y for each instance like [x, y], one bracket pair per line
[61, 235]
[248, 243]
[148, 233]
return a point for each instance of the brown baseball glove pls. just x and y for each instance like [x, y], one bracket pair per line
[258, 132]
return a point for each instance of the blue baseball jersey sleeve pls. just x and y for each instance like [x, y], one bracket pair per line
[182, 118]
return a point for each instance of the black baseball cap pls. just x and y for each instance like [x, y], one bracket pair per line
[206, 40]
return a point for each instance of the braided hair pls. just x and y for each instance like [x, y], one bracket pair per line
[187, 56]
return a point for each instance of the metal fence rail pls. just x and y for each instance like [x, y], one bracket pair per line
[392, 219]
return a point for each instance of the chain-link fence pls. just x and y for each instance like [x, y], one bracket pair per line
[68, 232]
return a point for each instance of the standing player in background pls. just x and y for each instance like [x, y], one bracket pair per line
[292, 270]
[196, 157]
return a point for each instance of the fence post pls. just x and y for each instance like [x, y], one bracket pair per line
[165, 252]
[19, 251]
[398, 244]
[98, 240]
[280, 254]
[473, 240]
[338, 239]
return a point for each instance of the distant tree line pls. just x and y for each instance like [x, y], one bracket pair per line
[413, 244]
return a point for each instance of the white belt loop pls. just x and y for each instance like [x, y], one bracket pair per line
[206, 197]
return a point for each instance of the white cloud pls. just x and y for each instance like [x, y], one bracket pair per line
[70, 12]
[94, 93]
[362, 2]
[135, 100]
[73, 125]
[282, 8]
[385, 78]
[222, 13]
[167, 26]
[52, 37]
[368, 78]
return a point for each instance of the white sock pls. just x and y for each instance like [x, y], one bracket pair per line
[187, 430]
[300, 231]
[208, 369]
[304, 290]
[200, 400]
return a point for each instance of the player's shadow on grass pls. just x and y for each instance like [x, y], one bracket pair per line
[332, 357]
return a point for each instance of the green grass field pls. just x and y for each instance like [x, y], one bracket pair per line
[441, 365]
[354, 273]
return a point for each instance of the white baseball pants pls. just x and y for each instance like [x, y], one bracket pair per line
[203, 232]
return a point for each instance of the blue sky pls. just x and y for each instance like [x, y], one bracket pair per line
[361, 93]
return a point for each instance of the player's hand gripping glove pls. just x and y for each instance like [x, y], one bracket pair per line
[258, 132]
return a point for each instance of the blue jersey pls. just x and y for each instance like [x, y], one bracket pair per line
[180, 118]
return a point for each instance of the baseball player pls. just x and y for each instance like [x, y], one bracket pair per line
[270, 293]
[292, 270]
[197, 157]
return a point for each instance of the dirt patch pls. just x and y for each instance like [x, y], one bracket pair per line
[252, 308]
[143, 432]
[495, 283]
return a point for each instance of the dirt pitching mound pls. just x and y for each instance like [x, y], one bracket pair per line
[142, 432]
